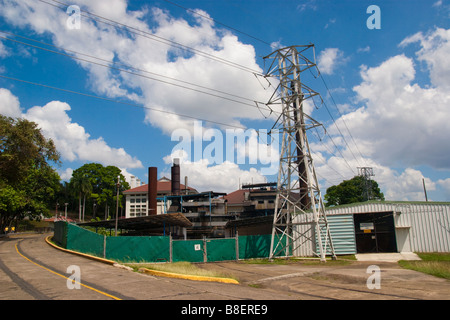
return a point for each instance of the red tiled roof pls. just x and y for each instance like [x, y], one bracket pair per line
[162, 187]
[235, 196]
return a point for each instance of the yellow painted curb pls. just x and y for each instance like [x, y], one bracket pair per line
[187, 277]
[47, 239]
[152, 272]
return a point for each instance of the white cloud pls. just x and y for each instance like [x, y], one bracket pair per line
[70, 139]
[329, 59]
[401, 122]
[307, 4]
[445, 184]
[223, 177]
[66, 175]
[435, 48]
[149, 53]
[4, 52]
[9, 104]
[405, 185]
[365, 49]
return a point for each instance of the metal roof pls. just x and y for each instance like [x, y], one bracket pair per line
[142, 223]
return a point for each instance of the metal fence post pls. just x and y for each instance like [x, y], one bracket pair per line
[205, 254]
[104, 246]
[170, 248]
[237, 246]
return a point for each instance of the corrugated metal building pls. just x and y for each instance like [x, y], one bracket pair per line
[387, 226]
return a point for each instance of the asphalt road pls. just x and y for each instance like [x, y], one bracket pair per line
[31, 269]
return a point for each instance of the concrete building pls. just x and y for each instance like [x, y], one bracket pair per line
[136, 204]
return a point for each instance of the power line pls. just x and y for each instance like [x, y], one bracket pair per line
[218, 22]
[120, 102]
[154, 37]
[332, 153]
[340, 114]
[140, 75]
[169, 42]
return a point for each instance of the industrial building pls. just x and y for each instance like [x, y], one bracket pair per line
[372, 226]
[388, 226]
[212, 214]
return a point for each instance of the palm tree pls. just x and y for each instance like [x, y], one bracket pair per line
[81, 185]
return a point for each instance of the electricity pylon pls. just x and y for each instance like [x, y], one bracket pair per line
[366, 173]
[299, 217]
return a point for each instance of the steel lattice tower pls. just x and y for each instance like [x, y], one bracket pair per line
[299, 216]
[366, 173]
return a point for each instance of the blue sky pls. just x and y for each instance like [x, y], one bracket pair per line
[390, 87]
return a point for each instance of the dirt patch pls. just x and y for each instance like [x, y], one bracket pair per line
[335, 278]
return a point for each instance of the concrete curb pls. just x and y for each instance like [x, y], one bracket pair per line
[145, 270]
[47, 239]
[187, 277]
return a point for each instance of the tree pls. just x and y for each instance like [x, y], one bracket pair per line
[22, 145]
[351, 191]
[103, 182]
[82, 186]
[28, 183]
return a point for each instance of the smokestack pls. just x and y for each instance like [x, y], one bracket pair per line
[152, 190]
[185, 185]
[176, 177]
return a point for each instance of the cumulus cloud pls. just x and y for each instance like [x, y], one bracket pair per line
[9, 104]
[191, 56]
[445, 184]
[398, 122]
[203, 176]
[70, 139]
[329, 59]
[401, 123]
[435, 48]
[403, 185]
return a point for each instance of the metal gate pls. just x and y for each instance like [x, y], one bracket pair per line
[375, 232]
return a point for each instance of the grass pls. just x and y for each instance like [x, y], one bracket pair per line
[185, 268]
[341, 260]
[436, 264]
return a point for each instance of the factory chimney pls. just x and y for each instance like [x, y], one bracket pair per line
[152, 190]
[176, 177]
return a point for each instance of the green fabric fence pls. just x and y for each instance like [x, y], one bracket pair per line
[160, 249]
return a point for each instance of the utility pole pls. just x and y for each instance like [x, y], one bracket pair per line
[65, 210]
[424, 189]
[299, 217]
[366, 173]
[117, 205]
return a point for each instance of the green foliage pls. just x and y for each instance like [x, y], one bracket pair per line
[351, 191]
[28, 184]
[97, 184]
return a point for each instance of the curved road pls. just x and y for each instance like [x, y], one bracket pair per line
[31, 269]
